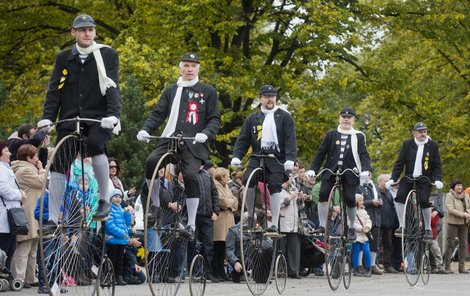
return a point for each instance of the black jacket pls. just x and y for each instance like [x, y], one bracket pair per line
[209, 196]
[208, 122]
[250, 136]
[373, 211]
[80, 94]
[389, 218]
[330, 148]
[431, 162]
[15, 142]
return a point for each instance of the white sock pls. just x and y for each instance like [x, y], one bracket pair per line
[427, 218]
[192, 204]
[101, 170]
[275, 208]
[400, 209]
[373, 257]
[351, 213]
[322, 208]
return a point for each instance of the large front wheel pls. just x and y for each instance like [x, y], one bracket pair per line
[258, 250]
[334, 238]
[411, 239]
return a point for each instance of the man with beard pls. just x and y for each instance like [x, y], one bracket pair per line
[343, 148]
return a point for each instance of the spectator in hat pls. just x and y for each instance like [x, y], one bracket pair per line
[84, 83]
[343, 148]
[192, 109]
[418, 156]
[270, 130]
[27, 134]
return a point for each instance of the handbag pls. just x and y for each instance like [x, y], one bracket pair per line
[17, 220]
[368, 234]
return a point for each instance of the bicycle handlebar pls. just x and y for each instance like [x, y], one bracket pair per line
[339, 173]
[414, 180]
[178, 137]
[76, 119]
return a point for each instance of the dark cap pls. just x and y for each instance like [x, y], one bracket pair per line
[208, 164]
[82, 21]
[268, 90]
[347, 111]
[190, 57]
[420, 127]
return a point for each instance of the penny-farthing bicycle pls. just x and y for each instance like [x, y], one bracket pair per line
[338, 263]
[163, 231]
[415, 249]
[72, 258]
[258, 247]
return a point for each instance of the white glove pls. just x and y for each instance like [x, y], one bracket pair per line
[310, 174]
[143, 136]
[364, 176]
[288, 165]
[236, 163]
[45, 123]
[109, 122]
[439, 184]
[200, 138]
[389, 183]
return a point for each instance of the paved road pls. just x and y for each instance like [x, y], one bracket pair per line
[388, 284]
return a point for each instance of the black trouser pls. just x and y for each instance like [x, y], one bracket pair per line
[8, 245]
[116, 255]
[275, 176]
[387, 245]
[423, 189]
[219, 258]
[349, 191]
[374, 242]
[290, 246]
[190, 166]
[204, 234]
[95, 139]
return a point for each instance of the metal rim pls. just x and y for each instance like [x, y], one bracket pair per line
[411, 240]
[197, 276]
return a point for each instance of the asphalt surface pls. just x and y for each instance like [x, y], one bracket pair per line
[389, 284]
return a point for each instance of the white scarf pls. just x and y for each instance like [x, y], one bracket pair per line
[418, 169]
[355, 152]
[175, 106]
[269, 133]
[105, 81]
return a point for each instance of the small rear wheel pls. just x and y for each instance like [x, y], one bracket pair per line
[280, 273]
[197, 276]
[347, 271]
[425, 269]
[107, 281]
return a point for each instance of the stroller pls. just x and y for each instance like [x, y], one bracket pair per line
[6, 279]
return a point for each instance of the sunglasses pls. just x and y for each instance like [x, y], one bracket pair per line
[113, 167]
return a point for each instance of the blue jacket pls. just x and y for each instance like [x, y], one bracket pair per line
[117, 226]
[45, 209]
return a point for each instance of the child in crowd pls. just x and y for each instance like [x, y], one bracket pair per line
[363, 224]
[117, 234]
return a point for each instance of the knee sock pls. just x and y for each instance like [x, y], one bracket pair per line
[275, 208]
[192, 204]
[400, 209]
[427, 212]
[351, 213]
[373, 257]
[101, 170]
[322, 208]
[56, 191]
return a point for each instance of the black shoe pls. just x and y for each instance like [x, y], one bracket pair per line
[120, 281]
[43, 290]
[212, 278]
[169, 280]
[187, 233]
[427, 235]
[272, 229]
[226, 277]
[48, 228]
[295, 276]
[102, 211]
[398, 232]
[352, 234]
[221, 279]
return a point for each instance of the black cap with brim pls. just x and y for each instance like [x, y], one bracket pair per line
[347, 112]
[268, 90]
[83, 21]
[420, 126]
[190, 57]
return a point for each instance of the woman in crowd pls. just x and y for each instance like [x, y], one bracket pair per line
[457, 218]
[31, 178]
[11, 197]
[228, 204]
[115, 173]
